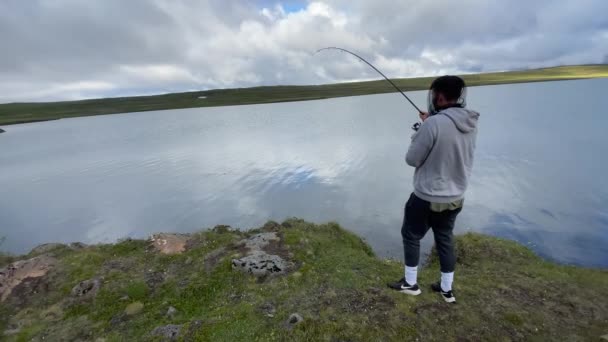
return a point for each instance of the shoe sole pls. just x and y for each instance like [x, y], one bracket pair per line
[448, 300]
[411, 292]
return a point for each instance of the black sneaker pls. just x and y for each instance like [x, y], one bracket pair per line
[448, 296]
[403, 287]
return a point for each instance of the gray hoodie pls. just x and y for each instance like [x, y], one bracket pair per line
[442, 153]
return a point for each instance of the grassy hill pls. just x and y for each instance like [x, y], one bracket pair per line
[13, 113]
[129, 291]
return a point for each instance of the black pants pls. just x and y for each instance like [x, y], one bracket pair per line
[417, 220]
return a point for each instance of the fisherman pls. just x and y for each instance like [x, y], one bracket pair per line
[442, 152]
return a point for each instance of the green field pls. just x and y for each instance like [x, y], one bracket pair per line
[13, 113]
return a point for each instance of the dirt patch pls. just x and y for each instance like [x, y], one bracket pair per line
[195, 241]
[21, 271]
[166, 243]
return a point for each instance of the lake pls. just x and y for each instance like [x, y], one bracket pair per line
[539, 175]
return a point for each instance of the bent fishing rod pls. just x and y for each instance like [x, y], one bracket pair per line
[378, 71]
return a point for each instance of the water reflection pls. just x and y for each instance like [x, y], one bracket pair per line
[104, 178]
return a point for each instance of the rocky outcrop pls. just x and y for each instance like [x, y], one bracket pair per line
[166, 243]
[14, 274]
[2, 131]
[293, 320]
[86, 289]
[259, 241]
[257, 261]
[262, 264]
[174, 332]
[168, 332]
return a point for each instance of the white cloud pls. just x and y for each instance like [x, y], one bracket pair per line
[65, 49]
[158, 73]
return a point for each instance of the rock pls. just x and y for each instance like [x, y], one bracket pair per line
[259, 241]
[169, 243]
[154, 278]
[262, 264]
[86, 288]
[268, 309]
[171, 311]
[134, 308]
[188, 261]
[294, 320]
[46, 248]
[15, 273]
[2, 131]
[168, 332]
[124, 298]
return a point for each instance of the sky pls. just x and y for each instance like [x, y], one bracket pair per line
[73, 49]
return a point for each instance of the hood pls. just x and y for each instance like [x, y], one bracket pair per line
[464, 119]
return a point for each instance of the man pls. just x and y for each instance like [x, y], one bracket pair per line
[442, 153]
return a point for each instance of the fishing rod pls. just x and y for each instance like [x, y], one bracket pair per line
[378, 71]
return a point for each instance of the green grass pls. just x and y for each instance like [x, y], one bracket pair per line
[13, 113]
[505, 292]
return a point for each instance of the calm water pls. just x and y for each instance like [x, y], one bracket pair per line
[539, 178]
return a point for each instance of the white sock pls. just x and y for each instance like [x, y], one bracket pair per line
[411, 275]
[446, 281]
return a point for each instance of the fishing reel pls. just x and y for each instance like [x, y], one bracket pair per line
[416, 126]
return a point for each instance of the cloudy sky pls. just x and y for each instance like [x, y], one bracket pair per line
[72, 49]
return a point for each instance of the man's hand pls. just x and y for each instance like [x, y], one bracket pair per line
[423, 116]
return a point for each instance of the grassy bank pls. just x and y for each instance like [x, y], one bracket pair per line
[13, 113]
[336, 285]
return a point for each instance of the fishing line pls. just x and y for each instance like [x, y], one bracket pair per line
[373, 67]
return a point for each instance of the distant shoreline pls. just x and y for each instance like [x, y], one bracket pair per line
[18, 113]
